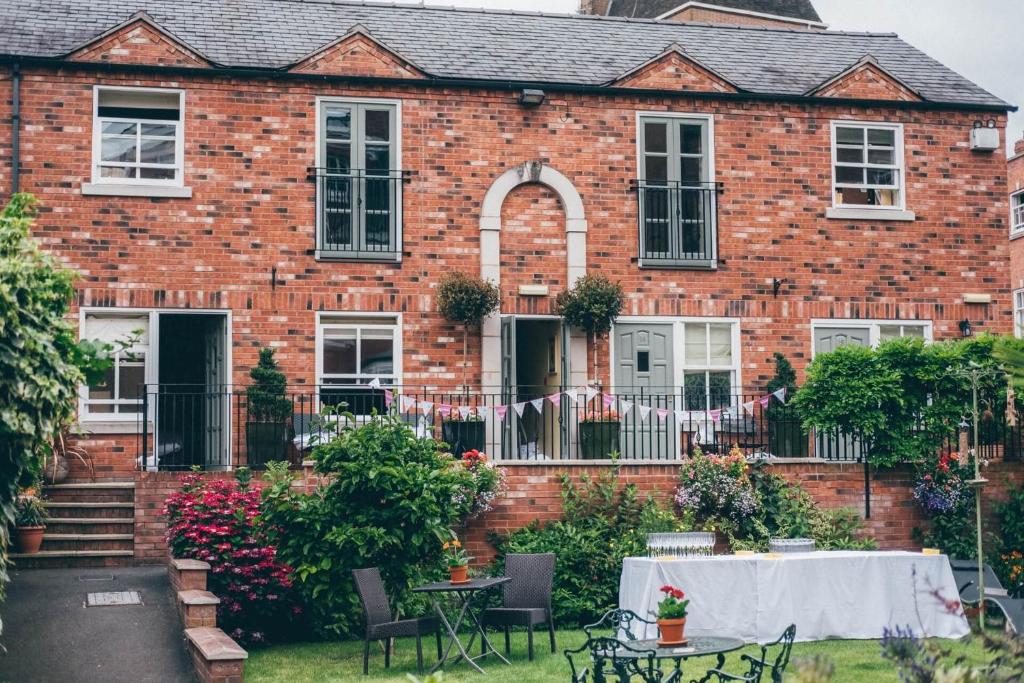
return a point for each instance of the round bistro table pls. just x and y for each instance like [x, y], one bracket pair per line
[697, 646]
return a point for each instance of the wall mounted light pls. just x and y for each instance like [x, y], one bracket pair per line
[965, 328]
[531, 98]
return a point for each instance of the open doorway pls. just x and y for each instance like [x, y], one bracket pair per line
[192, 406]
[534, 369]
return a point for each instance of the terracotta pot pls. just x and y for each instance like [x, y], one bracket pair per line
[29, 538]
[459, 574]
[672, 630]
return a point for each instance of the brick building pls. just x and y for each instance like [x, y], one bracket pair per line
[769, 13]
[227, 175]
[1015, 169]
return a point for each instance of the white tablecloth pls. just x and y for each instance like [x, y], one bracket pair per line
[840, 594]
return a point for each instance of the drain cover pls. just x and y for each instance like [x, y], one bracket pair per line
[113, 599]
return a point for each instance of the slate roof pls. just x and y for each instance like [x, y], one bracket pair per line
[797, 9]
[487, 45]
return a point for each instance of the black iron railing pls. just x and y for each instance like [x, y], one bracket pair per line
[678, 223]
[359, 214]
[219, 428]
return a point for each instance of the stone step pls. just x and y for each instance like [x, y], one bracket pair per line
[72, 558]
[89, 525]
[127, 484]
[91, 509]
[89, 504]
[98, 542]
[96, 492]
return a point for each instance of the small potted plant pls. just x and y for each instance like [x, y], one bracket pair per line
[268, 408]
[599, 433]
[464, 434]
[786, 436]
[29, 523]
[672, 616]
[457, 558]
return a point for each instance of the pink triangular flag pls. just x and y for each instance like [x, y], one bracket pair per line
[608, 401]
[644, 412]
[444, 409]
[464, 411]
[555, 399]
[519, 408]
[716, 415]
[764, 400]
[781, 395]
[662, 413]
[500, 412]
[538, 404]
[389, 397]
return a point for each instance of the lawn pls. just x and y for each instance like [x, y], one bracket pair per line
[856, 661]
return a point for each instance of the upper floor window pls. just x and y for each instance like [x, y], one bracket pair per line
[1017, 213]
[677, 196]
[118, 395]
[137, 137]
[359, 181]
[867, 163]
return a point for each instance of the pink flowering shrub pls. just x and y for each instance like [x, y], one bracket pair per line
[217, 521]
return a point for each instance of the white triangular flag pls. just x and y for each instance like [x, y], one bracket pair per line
[538, 404]
[781, 395]
[681, 416]
[591, 392]
[749, 407]
[626, 406]
[426, 407]
[571, 394]
[407, 403]
[464, 411]
[374, 383]
[644, 412]
[519, 408]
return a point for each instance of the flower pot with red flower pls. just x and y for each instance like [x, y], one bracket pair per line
[458, 560]
[464, 434]
[599, 433]
[672, 616]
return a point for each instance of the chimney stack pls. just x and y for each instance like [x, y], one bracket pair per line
[1018, 147]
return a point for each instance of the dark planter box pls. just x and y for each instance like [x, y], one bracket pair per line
[598, 440]
[266, 442]
[462, 436]
[787, 439]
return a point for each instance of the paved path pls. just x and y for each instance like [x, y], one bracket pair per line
[51, 636]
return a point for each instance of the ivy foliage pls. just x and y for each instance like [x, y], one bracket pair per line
[41, 362]
[386, 499]
[904, 399]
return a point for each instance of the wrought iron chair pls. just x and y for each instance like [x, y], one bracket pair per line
[773, 660]
[526, 598]
[613, 661]
[616, 621]
[381, 626]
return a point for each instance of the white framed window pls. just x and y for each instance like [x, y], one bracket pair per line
[138, 136]
[118, 396]
[352, 350]
[867, 165]
[677, 195]
[1018, 313]
[359, 179]
[828, 333]
[1017, 213]
[710, 364]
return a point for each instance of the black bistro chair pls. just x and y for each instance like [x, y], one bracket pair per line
[618, 621]
[381, 626]
[772, 662]
[613, 661]
[526, 598]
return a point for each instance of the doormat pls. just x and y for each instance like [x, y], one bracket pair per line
[113, 599]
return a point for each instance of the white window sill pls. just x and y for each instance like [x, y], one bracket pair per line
[869, 214]
[129, 190]
[1017, 234]
[99, 426]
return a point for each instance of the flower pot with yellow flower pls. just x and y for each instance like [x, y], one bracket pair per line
[672, 616]
[457, 558]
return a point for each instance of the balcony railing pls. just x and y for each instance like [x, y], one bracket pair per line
[359, 214]
[678, 225]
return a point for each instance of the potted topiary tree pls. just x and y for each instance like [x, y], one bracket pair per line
[786, 436]
[466, 301]
[29, 523]
[267, 410]
[592, 305]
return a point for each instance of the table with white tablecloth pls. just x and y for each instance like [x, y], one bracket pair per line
[837, 594]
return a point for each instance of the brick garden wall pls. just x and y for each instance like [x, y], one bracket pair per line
[534, 494]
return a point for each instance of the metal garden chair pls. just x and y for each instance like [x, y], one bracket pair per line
[526, 598]
[773, 660]
[381, 626]
[613, 661]
[616, 621]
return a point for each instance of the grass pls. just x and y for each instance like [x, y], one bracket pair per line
[856, 661]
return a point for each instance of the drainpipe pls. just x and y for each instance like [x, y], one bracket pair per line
[16, 128]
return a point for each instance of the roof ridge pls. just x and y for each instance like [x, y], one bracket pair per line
[582, 17]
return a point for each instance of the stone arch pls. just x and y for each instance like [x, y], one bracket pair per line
[490, 256]
[572, 205]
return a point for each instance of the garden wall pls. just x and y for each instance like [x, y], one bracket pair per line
[535, 494]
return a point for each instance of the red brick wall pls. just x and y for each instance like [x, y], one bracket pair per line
[1015, 169]
[151, 492]
[249, 144]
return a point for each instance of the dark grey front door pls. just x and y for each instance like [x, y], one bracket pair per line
[644, 375]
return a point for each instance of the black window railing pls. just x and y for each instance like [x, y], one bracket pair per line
[359, 214]
[678, 223]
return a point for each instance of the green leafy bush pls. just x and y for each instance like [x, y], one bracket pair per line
[602, 524]
[466, 300]
[386, 500]
[592, 305]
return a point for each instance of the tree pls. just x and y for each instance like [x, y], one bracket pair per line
[592, 305]
[266, 395]
[466, 301]
[41, 361]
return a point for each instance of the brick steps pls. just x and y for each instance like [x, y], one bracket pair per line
[95, 525]
[52, 559]
[88, 541]
[92, 492]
